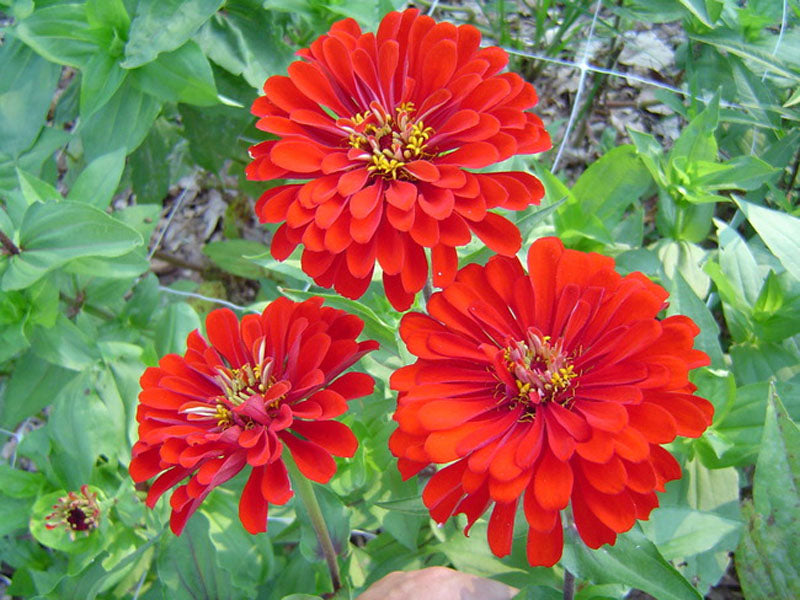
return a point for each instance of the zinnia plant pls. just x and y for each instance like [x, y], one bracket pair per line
[382, 131]
[552, 387]
[238, 399]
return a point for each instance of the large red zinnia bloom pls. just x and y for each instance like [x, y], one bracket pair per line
[262, 384]
[559, 385]
[382, 129]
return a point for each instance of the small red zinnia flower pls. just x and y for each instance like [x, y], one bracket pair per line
[383, 128]
[262, 384]
[560, 385]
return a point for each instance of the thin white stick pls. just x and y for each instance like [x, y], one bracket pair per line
[172, 212]
[581, 82]
[206, 299]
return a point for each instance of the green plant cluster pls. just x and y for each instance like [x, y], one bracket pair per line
[106, 104]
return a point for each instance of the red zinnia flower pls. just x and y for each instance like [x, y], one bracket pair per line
[262, 384]
[382, 128]
[559, 384]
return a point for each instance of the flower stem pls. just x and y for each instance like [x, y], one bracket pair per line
[305, 491]
[569, 585]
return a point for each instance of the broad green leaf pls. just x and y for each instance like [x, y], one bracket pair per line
[164, 25]
[32, 386]
[738, 264]
[611, 184]
[179, 319]
[150, 167]
[81, 429]
[100, 80]
[739, 173]
[780, 232]
[759, 360]
[122, 123]
[681, 532]
[768, 558]
[61, 34]
[212, 133]
[245, 42]
[17, 483]
[684, 258]
[633, 560]
[65, 345]
[99, 180]
[53, 234]
[36, 190]
[111, 13]
[755, 95]
[707, 11]
[196, 578]
[777, 309]
[247, 558]
[31, 161]
[230, 255]
[26, 91]
[729, 40]
[697, 141]
[742, 426]
[472, 554]
[182, 75]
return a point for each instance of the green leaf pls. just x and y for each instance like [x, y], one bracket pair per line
[229, 255]
[99, 180]
[768, 558]
[65, 345]
[739, 173]
[780, 232]
[164, 25]
[245, 42]
[700, 9]
[100, 80]
[61, 34]
[195, 578]
[183, 75]
[212, 133]
[738, 264]
[611, 184]
[759, 360]
[684, 258]
[681, 532]
[53, 234]
[178, 320]
[36, 190]
[247, 558]
[697, 141]
[16, 483]
[122, 123]
[633, 560]
[26, 91]
[729, 40]
[32, 386]
[150, 168]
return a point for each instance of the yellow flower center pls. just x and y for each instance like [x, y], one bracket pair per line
[389, 141]
[542, 372]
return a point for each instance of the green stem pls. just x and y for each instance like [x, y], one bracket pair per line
[305, 491]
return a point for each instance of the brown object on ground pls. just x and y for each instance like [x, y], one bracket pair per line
[437, 583]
